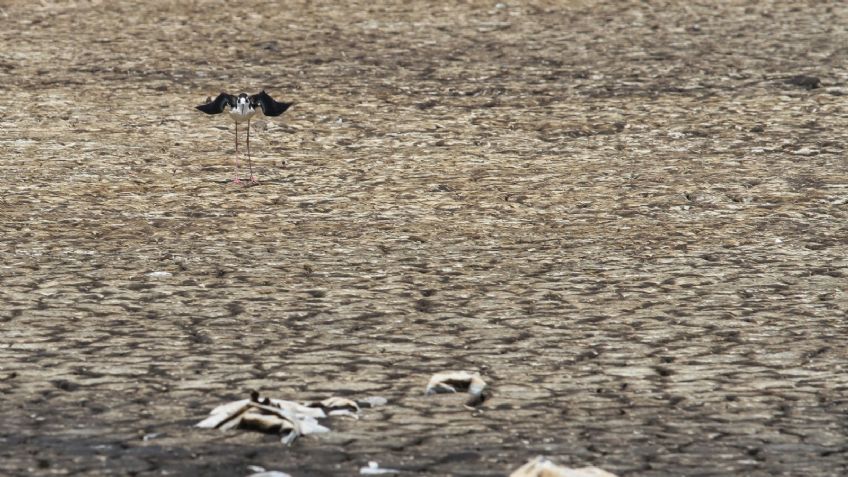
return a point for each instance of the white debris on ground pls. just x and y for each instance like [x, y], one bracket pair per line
[542, 467]
[337, 406]
[374, 468]
[270, 473]
[289, 419]
[261, 472]
[372, 401]
[454, 381]
[159, 274]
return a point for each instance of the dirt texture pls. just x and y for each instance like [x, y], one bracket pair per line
[629, 216]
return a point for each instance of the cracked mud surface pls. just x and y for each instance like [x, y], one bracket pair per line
[621, 213]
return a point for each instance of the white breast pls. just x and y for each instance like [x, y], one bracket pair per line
[241, 113]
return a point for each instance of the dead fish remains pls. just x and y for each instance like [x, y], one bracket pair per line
[289, 419]
[454, 381]
[542, 467]
[337, 406]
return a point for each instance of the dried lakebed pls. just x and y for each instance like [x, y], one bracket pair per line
[627, 216]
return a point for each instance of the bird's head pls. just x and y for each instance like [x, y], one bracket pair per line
[243, 103]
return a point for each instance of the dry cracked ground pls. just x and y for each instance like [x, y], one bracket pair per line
[629, 216]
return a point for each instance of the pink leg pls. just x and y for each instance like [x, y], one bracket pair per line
[236, 179]
[249, 163]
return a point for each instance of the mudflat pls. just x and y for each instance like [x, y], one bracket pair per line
[629, 217]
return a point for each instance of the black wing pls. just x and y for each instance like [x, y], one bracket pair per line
[216, 106]
[268, 105]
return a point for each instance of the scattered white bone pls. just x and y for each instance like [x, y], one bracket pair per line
[294, 407]
[373, 468]
[337, 406]
[334, 403]
[159, 274]
[268, 423]
[542, 467]
[269, 473]
[372, 401]
[228, 408]
[224, 413]
[310, 425]
[288, 419]
[453, 381]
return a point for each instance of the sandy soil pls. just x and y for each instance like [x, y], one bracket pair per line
[621, 212]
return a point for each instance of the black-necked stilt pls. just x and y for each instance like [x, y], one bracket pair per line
[241, 109]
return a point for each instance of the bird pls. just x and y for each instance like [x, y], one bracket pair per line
[241, 108]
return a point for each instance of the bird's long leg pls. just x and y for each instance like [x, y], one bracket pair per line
[249, 162]
[236, 179]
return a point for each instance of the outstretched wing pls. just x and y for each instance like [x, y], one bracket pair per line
[216, 106]
[268, 105]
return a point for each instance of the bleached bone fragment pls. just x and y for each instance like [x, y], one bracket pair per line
[272, 420]
[374, 468]
[339, 403]
[159, 274]
[261, 472]
[298, 408]
[339, 406]
[336, 406]
[266, 415]
[269, 423]
[233, 422]
[449, 382]
[230, 407]
[455, 381]
[372, 401]
[305, 425]
[287, 418]
[222, 414]
[310, 425]
[291, 406]
[542, 467]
